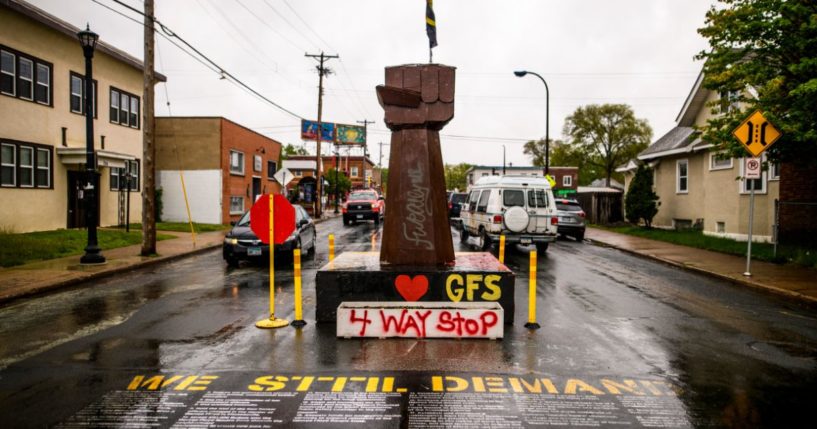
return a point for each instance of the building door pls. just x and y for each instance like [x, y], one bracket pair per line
[256, 188]
[76, 201]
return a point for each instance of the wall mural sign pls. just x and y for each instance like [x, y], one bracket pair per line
[309, 130]
[350, 134]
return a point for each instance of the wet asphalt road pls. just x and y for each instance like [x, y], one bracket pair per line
[736, 357]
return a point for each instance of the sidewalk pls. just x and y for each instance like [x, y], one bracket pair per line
[36, 277]
[799, 282]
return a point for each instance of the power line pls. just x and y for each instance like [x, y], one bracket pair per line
[219, 69]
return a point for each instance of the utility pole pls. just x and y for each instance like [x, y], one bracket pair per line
[148, 146]
[380, 158]
[322, 71]
[365, 123]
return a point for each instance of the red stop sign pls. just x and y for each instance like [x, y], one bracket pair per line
[284, 218]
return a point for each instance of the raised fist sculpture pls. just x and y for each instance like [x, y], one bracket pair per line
[418, 100]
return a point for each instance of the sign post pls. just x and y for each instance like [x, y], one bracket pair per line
[263, 215]
[756, 134]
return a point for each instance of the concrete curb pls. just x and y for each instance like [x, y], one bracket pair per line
[811, 301]
[103, 274]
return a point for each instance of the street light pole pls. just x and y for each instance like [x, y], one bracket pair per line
[522, 73]
[337, 192]
[503, 159]
[93, 254]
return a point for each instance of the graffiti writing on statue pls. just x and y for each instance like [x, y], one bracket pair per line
[473, 287]
[419, 323]
[419, 211]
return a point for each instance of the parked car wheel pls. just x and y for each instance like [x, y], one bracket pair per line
[311, 252]
[232, 262]
[463, 235]
[580, 236]
[484, 240]
[541, 247]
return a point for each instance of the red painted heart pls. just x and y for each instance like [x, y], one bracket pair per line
[411, 289]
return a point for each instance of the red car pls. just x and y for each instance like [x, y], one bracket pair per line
[364, 205]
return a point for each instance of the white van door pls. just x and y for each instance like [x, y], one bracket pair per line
[539, 210]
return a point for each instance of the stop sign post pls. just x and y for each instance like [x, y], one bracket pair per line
[272, 219]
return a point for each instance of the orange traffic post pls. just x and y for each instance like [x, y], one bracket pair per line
[299, 312]
[331, 247]
[502, 249]
[532, 294]
[272, 322]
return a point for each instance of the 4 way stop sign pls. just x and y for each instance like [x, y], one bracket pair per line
[283, 218]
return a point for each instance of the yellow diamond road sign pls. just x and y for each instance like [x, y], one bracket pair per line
[756, 134]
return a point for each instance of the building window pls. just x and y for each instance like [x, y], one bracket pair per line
[78, 94]
[272, 168]
[257, 163]
[236, 162]
[43, 168]
[297, 173]
[236, 205]
[8, 165]
[567, 181]
[729, 101]
[124, 108]
[355, 172]
[119, 176]
[682, 176]
[24, 76]
[25, 165]
[8, 73]
[720, 227]
[719, 161]
[25, 79]
[774, 171]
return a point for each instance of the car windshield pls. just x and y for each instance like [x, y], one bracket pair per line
[513, 198]
[362, 196]
[567, 207]
[244, 221]
[459, 198]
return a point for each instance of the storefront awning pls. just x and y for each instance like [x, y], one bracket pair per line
[104, 158]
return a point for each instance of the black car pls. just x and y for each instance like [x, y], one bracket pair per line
[454, 201]
[242, 244]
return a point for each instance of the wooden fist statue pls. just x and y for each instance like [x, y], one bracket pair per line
[418, 100]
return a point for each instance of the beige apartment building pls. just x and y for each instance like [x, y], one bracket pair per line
[42, 132]
[697, 187]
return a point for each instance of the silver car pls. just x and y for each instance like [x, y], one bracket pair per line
[571, 219]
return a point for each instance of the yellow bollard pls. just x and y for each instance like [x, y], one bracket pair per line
[272, 322]
[299, 312]
[532, 294]
[331, 247]
[502, 249]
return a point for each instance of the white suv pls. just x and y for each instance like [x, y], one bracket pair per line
[520, 207]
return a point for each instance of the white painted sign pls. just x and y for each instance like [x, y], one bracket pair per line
[283, 176]
[752, 168]
[420, 320]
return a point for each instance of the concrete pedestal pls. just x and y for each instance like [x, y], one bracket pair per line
[359, 276]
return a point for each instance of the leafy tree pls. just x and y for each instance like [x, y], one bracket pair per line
[641, 203]
[291, 150]
[563, 154]
[607, 135]
[344, 184]
[455, 176]
[384, 178]
[765, 52]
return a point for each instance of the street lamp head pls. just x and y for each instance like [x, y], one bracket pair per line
[520, 73]
[88, 39]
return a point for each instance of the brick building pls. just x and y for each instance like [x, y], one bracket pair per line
[226, 166]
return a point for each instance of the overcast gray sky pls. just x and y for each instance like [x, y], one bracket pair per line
[638, 52]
